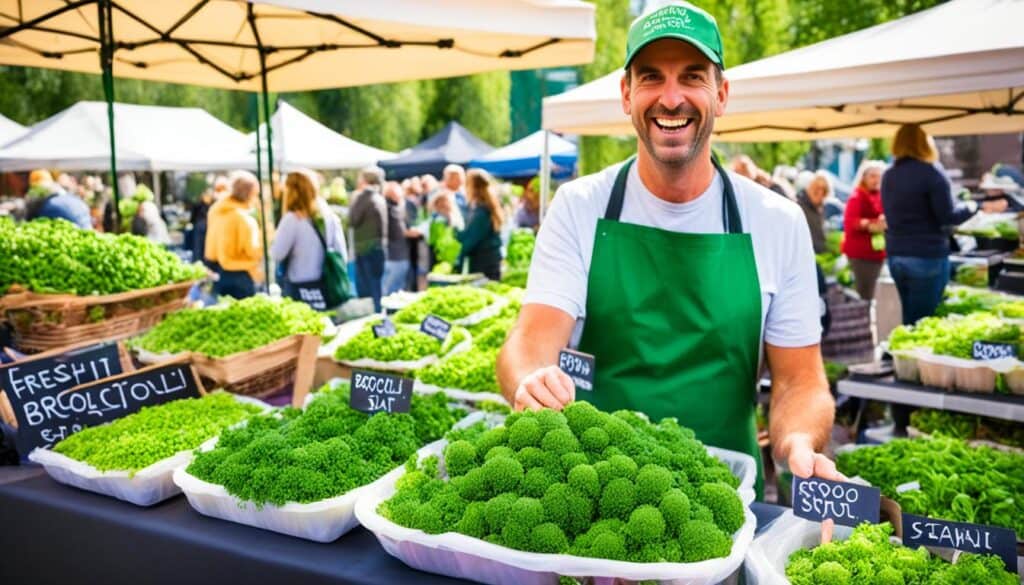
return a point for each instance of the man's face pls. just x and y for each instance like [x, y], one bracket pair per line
[453, 181]
[673, 98]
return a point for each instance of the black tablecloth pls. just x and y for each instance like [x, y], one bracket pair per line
[51, 533]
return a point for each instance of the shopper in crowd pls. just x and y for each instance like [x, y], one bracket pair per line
[234, 247]
[863, 224]
[429, 188]
[745, 166]
[396, 268]
[672, 263]
[454, 177]
[307, 229]
[528, 213]
[812, 203]
[920, 214]
[46, 198]
[368, 218]
[481, 239]
[419, 255]
[149, 224]
[200, 212]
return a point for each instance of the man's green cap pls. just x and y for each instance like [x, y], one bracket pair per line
[679, 20]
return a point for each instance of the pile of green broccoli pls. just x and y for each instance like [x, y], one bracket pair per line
[868, 556]
[581, 482]
[321, 452]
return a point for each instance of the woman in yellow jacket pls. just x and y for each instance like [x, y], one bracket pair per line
[233, 244]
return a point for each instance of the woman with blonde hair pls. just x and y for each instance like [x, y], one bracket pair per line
[862, 220]
[307, 231]
[481, 240]
[233, 244]
[920, 214]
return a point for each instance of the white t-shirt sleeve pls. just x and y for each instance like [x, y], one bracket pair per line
[558, 271]
[793, 318]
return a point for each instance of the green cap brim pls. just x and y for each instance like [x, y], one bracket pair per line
[686, 39]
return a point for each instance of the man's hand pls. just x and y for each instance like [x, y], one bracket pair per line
[547, 387]
[805, 462]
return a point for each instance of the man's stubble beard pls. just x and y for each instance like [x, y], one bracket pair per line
[701, 138]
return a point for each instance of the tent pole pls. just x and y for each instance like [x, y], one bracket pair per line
[106, 22]
[263, 207]
[545, 174]
[251, 17]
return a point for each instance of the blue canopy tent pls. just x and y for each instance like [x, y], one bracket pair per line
[522, 158]
[452, 144]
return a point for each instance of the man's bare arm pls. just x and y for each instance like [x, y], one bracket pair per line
[802, 410]
[528, 363]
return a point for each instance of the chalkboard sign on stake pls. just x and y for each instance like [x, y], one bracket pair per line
[27, 379]
[973, 538]
[385, 328]
[993, 350]
[848, 504]
[435, 327]
[579, 366]
[373, 392]
[55, 416]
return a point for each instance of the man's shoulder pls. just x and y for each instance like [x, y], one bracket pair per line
[593, 189]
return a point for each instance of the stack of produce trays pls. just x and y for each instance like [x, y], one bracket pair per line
[62, 285]
[133, 458]
[299, 472]
[790, 551]
[939, 352]
[583, 494]
[944, 478]
[406, 350]
[251, 347]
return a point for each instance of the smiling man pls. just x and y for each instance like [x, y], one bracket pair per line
[683, 277]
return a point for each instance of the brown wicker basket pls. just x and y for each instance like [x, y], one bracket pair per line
[263, 371]
[41, 322]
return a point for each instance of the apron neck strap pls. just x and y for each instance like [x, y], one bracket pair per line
[731, 223]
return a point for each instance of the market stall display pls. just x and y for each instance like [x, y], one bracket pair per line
[407, 349]
[132, 458]
[581, 494]
[300, 472]
[254, 346]
[517, 260]
[63, 285]
[977, 429]
[944, 478]
[791, 551]
[459, 305]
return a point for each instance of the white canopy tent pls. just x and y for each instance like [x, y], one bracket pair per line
[302, 142]
[10, 130]
[149, 138]
[956, 69]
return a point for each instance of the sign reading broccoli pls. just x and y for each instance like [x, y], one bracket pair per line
[373, 392]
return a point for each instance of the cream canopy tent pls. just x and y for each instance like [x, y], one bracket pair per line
[957, 68]
[302, 142]
[150, 138]
[10, 130]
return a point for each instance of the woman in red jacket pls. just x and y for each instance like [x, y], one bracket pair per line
[862, 220]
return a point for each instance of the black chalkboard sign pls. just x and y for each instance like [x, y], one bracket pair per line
[48, 418]
[375, 392]
[974, 538]
[848, 504]
[385, 328]
[435, 327]
[993, 350]
[579, 366]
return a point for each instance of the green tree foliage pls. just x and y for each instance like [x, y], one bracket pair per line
[387, 116]
[612, 19]
[478, 102]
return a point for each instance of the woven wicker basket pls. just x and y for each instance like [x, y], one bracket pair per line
[41, 322]
[263, 371]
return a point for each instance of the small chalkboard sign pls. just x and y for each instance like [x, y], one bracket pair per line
[848, 504]
[974, 538]
[51, 417]
[993, 350]
[375, 392]
[385, 328]
[579, 366]
[435, 327]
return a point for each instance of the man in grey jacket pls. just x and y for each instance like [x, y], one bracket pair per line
[369, 221]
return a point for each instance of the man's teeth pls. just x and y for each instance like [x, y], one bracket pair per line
[672, 123]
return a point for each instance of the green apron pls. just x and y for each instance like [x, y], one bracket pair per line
[674, 322]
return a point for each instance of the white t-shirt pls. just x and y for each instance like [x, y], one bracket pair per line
[790, 306]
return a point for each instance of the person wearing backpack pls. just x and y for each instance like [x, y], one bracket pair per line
[310, 246]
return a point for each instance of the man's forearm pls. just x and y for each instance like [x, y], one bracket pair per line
[517, 359]
[802, 410]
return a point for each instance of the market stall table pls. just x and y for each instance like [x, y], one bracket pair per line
[1000, 406]
[54, 533]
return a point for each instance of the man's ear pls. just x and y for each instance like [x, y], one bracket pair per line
[722, 98]
[624, 88]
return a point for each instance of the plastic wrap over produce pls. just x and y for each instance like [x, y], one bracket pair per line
[457, 555]
[767, 557]
[150, 485]
[323, 521]
[460, 395]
